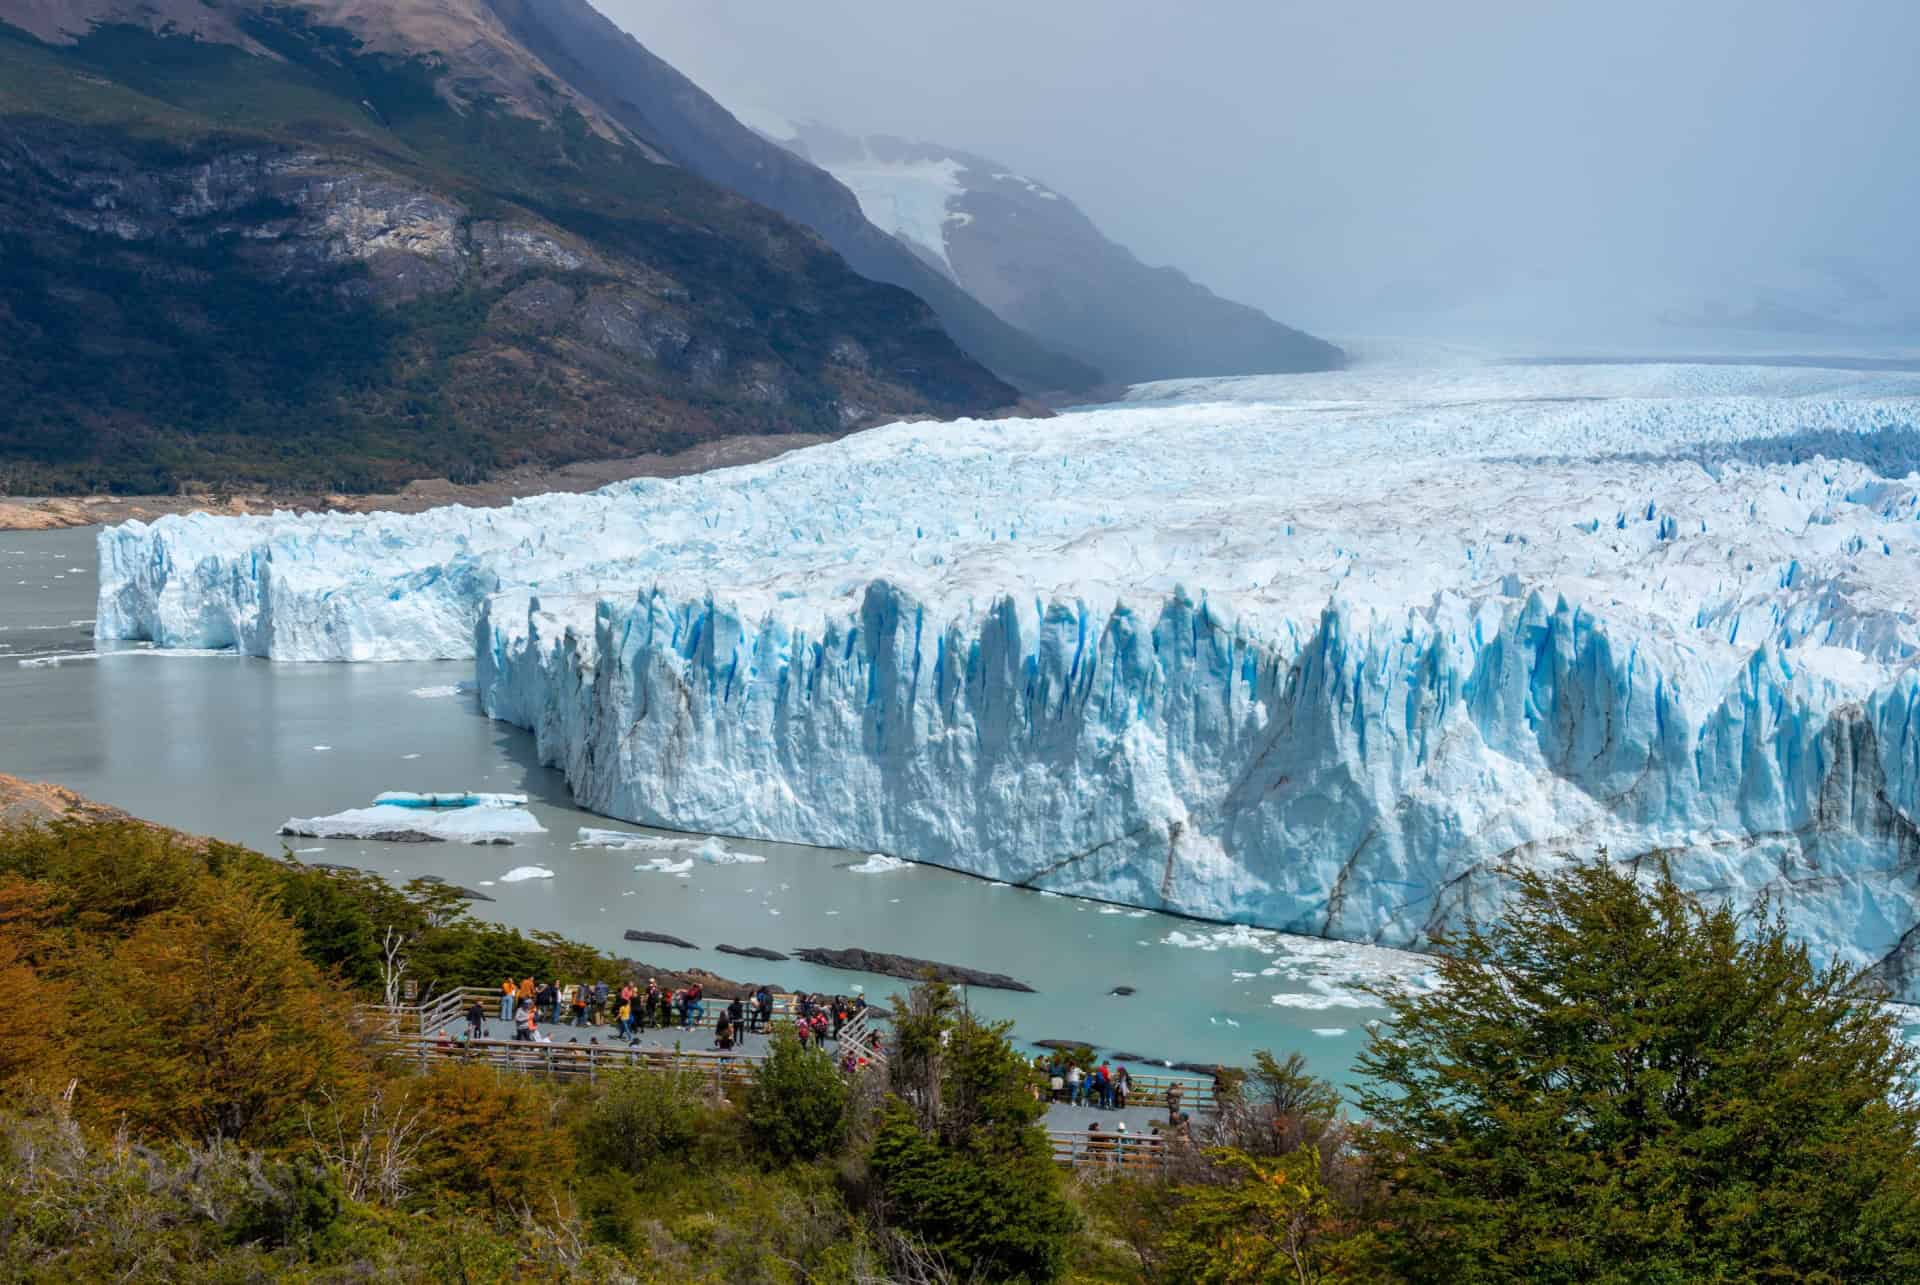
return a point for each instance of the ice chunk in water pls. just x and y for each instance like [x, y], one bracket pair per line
[407, 818]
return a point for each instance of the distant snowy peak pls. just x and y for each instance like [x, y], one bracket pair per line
[1035, 258]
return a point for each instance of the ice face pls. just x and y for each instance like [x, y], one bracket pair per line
[1333, 654]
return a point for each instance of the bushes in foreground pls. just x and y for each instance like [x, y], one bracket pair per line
[1613, 1084]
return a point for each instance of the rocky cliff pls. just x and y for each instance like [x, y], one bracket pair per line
[645, 95]
[267, 250]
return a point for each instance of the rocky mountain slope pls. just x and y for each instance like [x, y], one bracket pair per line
[342, 244]
[1036, 259]
[644, 94]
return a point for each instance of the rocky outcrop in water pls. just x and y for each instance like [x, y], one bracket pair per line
[906, 967]
[659, 939]
[751, 952]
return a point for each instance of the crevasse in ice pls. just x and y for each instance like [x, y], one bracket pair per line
[1331, 653]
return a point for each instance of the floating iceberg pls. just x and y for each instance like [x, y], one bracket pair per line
[716, 853]
[1334, 654]
[878, 864]
[711, 851]
[397, 817]
[520, 874]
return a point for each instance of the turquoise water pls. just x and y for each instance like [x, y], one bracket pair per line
[233, 747]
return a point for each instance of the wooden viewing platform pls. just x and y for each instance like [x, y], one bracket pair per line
[423, 1035]
[446, 1012]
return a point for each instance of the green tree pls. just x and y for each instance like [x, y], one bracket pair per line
[642, 1115]
[960, 1159]
[797, 1106]
[1616, 1083]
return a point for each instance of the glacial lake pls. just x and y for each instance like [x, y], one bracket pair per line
[233, 747]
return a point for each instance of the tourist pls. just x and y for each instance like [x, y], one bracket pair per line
[1174, 1093]
[625, 1024]
[737, 1014]
[650, 1004]
[508, 992]
[578, 1002]
[477, 1021]
[629, 1012]
[723, 1032]
[549, 1001]
[1122, 1086]
[599, 1005]
[1076, 1084]
[693, 1010]
[528, 1024]
[1102, 1091]
[763, 1008]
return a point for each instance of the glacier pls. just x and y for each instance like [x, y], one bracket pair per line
[1333, 654]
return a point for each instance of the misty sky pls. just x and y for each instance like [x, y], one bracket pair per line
[1492, 170]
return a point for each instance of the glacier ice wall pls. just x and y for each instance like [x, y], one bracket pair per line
[1330, 653]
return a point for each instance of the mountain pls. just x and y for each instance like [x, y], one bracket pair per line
[1031, 255]
[343, 243]
[657, 103]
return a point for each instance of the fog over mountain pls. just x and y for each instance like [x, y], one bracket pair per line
[1721, 175]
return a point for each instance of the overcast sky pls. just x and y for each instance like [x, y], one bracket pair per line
[1480, 169]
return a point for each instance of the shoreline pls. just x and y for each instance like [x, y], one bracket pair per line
[66, 512]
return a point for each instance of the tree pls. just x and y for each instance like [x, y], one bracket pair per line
[491, 1144]
[1616, 1083]
[215, 1025]
[1265, 1227]
[966, 1167]
[798, 1103]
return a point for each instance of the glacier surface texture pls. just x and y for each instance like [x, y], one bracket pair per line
[1328, 653]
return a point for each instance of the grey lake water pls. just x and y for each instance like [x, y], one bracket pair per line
[232, 747]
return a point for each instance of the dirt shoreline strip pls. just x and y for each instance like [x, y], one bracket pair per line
[51, 513]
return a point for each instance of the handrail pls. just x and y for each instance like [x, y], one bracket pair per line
[785, 1005]
[1100, 1149]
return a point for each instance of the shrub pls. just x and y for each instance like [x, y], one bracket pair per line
[639, 1116]
[798, 1106]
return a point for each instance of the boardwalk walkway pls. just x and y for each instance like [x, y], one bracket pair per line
[427, 1035]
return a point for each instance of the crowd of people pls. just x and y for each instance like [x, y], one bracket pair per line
[1105, 1086]
[631, 1009]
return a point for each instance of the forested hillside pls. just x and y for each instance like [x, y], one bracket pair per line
[295, 257]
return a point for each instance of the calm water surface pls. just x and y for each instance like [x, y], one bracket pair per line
[232, 747]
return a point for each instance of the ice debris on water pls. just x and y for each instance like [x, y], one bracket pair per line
[520, 874]
[1651, 606]
[879, 863]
